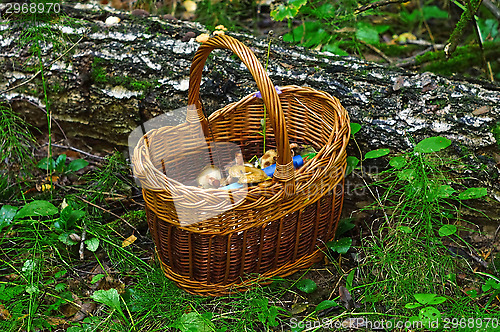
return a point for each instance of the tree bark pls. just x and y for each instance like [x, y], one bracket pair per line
[96, 75]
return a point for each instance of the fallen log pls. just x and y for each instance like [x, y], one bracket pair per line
[95, 75]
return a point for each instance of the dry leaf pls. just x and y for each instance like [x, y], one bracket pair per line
[128, 241]
[4, 313]
[481, 110]
[54, 321]
[297, 308]
[400, 82]
[11, 277]
[190, 6]
[404, 37]
[202, 38]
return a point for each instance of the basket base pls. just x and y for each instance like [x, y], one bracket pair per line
[205, 289]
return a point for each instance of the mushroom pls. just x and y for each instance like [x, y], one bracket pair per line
[269, 158]
[210, 178]
[246, 174]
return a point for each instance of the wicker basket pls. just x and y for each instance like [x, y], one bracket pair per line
[272, 229]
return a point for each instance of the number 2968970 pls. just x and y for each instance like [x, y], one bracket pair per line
[32, 8]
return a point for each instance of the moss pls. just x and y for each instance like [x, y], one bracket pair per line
[99, 74]
[496, 132]
[55, 88]
[464, 58]
[398, 50]
[438, 101]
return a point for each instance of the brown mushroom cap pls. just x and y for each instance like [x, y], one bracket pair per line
[269, 158]
[246, 174]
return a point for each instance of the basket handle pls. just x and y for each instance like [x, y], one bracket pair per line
[285, 172]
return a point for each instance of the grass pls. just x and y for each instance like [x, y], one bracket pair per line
[63, 250]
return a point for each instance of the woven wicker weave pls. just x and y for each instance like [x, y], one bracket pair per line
[272, 229]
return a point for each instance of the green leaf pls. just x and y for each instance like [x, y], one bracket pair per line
[355, 127]
[444, 191]
[367, 33]
[60, 287]
[307, 286]
[398, 162]
[344, 226]
[96, 278]
[376, 153]
[333, 47]
[489, 29]
[7, 213]
[490, 284]
[405, 229]
[281, 12]
[432, 144]
[77, 165]
[412, 305]
[37, 209]
[473, 193]
[325, 305]
[92, 244]
[110, 298]
[69, 218]
[429, 315]
[314, 39]
[434, 12]
[349, 279]
[447, 230]
[61, 273]
[193, 322]
[381, 28]
[351, 162]
[297, 3]
[341, 245]
[60, 163]
[429, 298]
[46, 163]
[471, 292]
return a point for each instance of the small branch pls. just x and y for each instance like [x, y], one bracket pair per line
[82, 243]
[77, 150]
[376, 5]
[376, 50]
[467, 15]
[493, 8]
[113, 214]
[412, 60]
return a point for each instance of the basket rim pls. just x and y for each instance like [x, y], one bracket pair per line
[227, 110]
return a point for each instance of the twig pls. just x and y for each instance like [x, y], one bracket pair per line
[412, 60]
[76, 150]
[467, 16]
[487, 64]
[43, 110]
[493, 8]
[376, 50]
[113, 214]
[82, 243]
[376, 5]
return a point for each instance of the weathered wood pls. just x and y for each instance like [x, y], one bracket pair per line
[95, 88]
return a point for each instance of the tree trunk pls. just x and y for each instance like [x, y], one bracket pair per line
[95, 75]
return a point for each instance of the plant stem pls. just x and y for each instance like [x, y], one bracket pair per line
[265, 110]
